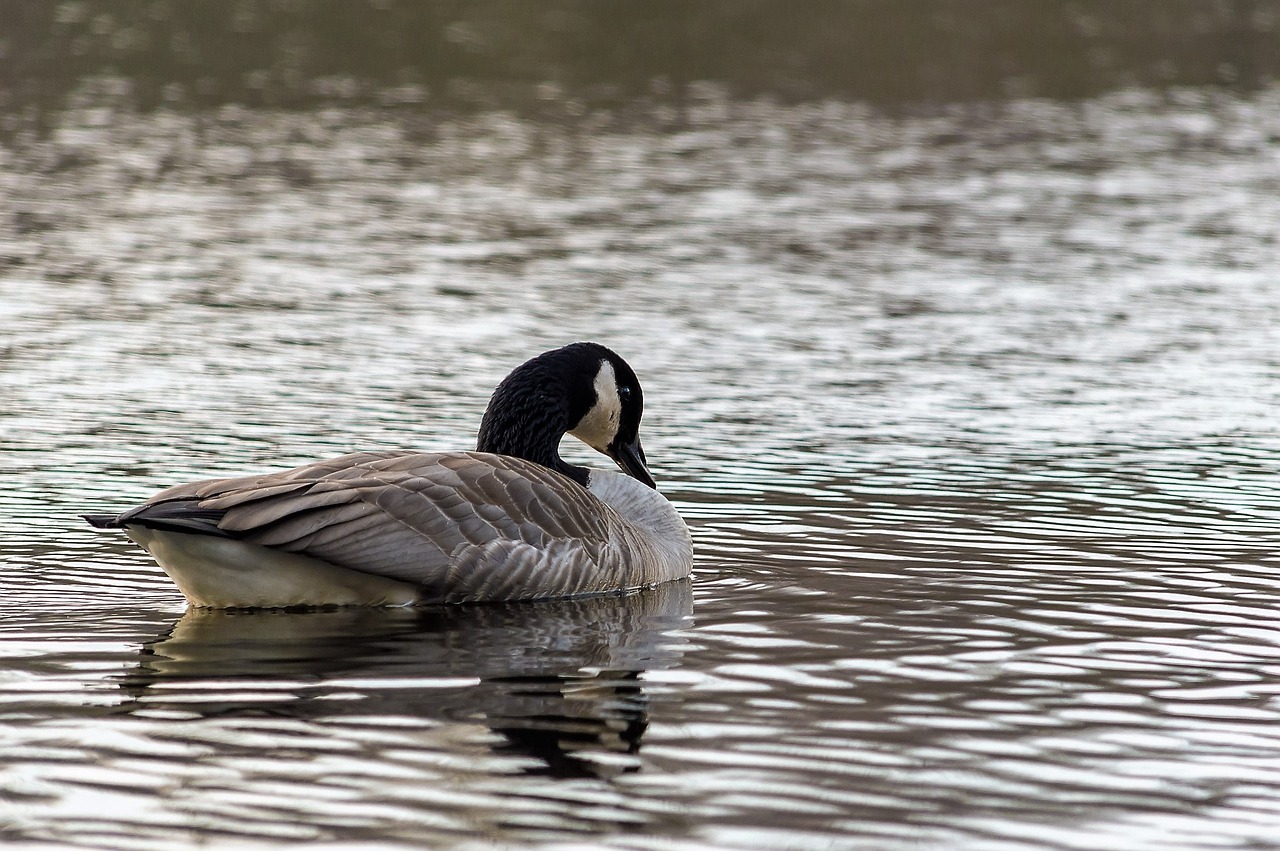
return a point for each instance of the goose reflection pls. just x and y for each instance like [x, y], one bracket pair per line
[558, 681]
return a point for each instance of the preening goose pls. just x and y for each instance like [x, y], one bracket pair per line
[510, 521]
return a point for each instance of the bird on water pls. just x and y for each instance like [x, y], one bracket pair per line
[509, 521]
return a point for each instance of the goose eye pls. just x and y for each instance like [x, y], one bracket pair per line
[624, 393]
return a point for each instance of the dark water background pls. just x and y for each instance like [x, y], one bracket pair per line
[561, 55]
[957, 324]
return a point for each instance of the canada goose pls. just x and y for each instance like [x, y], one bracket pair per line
[510, 521]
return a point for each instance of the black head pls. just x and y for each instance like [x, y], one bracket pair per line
[583, 389]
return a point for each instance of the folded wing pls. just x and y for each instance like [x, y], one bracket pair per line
[464, 525]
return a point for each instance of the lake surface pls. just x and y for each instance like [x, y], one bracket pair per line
[971, 408]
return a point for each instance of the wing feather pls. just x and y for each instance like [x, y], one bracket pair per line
[256, 509]
[463, 525]
[299, 524]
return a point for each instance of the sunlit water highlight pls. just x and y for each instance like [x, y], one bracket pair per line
[972, 415]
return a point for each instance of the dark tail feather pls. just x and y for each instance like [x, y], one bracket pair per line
[176, 516]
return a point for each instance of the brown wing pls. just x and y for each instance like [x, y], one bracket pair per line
[464, 525]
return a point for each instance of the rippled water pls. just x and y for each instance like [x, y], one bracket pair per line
[971, 412]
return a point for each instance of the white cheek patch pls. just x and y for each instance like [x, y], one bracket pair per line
[600, 425]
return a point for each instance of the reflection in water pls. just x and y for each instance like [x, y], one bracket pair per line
[558, 680]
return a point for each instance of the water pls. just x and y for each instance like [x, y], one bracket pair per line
[970, 407]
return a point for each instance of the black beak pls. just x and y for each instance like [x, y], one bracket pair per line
[630, 457]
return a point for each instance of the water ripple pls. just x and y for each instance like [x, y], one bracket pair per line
[971, 413]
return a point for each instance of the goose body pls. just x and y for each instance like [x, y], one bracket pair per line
[510, 521]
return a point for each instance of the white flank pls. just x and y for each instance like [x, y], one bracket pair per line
[225, 573]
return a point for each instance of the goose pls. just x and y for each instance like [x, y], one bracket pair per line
[510, 521]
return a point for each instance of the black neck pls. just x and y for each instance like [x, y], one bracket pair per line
[526, 426]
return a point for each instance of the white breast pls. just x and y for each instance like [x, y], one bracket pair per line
[652, 517]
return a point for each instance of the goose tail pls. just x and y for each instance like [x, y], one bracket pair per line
[175, 516]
